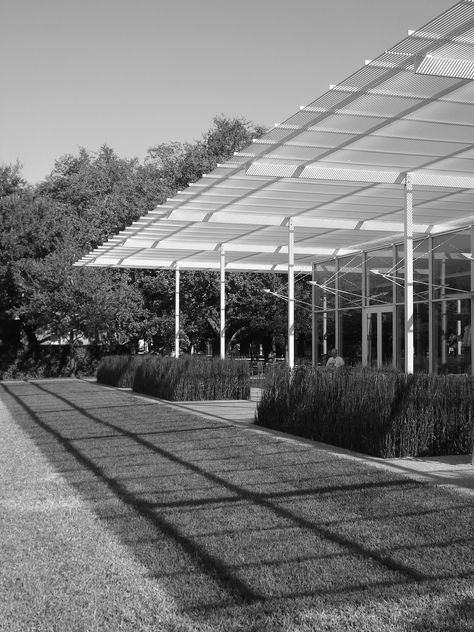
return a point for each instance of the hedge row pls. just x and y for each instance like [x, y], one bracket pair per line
[118, 370]
[381, 413]
[189, 378]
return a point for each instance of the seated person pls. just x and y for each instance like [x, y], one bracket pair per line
[334, 361]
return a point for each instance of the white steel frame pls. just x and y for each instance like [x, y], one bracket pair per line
[176, 312]
[408, 243]
[222, 303]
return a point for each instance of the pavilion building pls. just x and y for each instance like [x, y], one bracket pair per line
[370, 187]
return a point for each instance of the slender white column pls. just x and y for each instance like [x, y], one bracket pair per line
[458, 329]
[408, 243]
[176, 313]
[337, 329]
[433, 353]
[314, 322]
[291, 294]
[365, 316]
[394, 312]
[222, 303]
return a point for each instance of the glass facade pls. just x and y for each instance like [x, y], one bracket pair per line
[452, 328]
[350, 335]
[451, 264]
[360, 305]
[350, 281]
[380, 273]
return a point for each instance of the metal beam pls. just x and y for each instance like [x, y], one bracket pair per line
[237, 266]
[299, 221]
[408, 244]
[211, 246]
[270, 169]
[442, 180]
[431, 179]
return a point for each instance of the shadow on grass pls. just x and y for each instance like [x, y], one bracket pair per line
[275, 528]
[458, 618]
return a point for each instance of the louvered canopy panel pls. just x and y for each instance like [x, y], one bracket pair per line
[335, 168]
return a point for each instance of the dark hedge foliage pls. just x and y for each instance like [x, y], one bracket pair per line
[381, 413]
[192, 378]
[118, 370]
[49, 361]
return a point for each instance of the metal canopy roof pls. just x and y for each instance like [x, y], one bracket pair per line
[336, 167]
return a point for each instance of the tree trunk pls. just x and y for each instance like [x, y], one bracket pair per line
[30, 334]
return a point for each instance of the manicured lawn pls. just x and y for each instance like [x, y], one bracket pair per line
[164, 521]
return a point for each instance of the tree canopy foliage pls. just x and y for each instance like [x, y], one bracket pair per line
[89, 197]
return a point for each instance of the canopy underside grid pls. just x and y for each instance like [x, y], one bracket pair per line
[337, 169]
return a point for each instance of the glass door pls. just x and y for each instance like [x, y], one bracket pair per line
[452, 335]
[379, 336]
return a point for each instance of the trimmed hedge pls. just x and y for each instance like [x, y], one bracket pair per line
[118, 370]
[178, 379]
[381, 413]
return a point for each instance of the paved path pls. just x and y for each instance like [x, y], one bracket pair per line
[242, 411]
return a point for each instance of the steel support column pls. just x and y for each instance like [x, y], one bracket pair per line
[176, 313]
[291, 294]
[314, 322]
[408, 243]
[222, 302]
[365, 332]
[432, 365]
[337, 325]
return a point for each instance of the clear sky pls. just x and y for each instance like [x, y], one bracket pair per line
[136, 73]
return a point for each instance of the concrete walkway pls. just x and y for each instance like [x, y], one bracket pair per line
[238, 410]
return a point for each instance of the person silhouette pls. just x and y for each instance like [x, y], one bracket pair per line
[334, 361]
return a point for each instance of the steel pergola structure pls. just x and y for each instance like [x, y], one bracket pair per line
[387, 154]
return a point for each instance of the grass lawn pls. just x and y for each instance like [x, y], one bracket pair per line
[129, 515]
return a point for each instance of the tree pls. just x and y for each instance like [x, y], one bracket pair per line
[32, 229]
[180, 164]
[11, 180]
[104, 192]
[43, 230]
[92, 196]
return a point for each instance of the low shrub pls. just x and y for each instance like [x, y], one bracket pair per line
[192, 378]
[50, 361]
[118, 370]
[381, 413]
